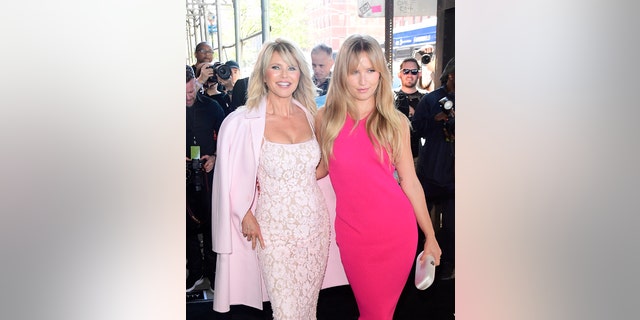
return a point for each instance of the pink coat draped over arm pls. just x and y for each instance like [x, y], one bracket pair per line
[238, 279]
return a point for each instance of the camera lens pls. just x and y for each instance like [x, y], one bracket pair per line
[223, 71]
[448, 105]
[426, 58]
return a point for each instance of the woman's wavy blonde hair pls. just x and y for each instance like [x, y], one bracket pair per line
[291, 54]
[385, 121]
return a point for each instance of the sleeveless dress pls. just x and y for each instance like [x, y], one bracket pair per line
[295, 225]
[376, 228]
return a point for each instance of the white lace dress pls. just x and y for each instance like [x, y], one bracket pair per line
[295, 225]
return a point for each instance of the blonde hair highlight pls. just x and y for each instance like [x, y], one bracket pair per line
[384, 124]
[291, 54]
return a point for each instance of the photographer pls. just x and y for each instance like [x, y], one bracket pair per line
[204, 55]
[408, 96]
[213, 89]
[235, 88]
[428, 61]
[434, 120]
[203, 119]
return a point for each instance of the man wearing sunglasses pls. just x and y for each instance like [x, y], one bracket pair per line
[408, 96]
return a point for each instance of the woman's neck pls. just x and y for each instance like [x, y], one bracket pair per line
[280, 106]
[364, 108]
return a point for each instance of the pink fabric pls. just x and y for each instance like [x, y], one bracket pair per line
[238, 279]
[334, 276]
[376, 228]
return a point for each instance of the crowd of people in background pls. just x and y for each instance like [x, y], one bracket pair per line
[306, 176]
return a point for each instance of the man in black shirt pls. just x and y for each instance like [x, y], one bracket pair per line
[408, 96]
[212, 89]
[203, 119]
[236, 88]
[434, 120]
[203, 53]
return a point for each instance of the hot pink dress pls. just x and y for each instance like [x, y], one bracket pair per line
[376, 229]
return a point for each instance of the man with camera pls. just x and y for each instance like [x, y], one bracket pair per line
[212, 88]
[203, 119]
[236, 88]
[408, 96]
[203, 54]
[426, 58]
[434, 120]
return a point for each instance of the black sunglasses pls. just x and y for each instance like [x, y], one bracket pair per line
[413, 71]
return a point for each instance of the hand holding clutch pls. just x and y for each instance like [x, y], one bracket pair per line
[425, 272]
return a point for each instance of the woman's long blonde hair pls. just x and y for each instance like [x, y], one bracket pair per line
[257, 89]
[385, 121]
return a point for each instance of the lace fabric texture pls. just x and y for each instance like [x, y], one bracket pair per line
[295, 225]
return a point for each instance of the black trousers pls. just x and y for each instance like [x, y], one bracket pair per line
[201, 260]
[444, 201]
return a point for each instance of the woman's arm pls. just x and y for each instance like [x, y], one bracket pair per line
[321, 170]
[413, 189]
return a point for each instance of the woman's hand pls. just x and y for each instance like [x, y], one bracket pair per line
[432, 248]
[251, 230]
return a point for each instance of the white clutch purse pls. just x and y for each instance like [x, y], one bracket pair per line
[425, 272]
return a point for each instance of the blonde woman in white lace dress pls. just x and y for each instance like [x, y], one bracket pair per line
[288, 224]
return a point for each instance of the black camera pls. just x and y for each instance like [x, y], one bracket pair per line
[423, 57]
[402, 102]
[447, 106]
[195, 173]
[221, 70]
[426, 58]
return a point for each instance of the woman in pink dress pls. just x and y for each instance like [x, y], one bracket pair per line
[365, 141]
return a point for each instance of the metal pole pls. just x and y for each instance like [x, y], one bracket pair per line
[218, 31]
[237, 27]
[193, 29]
[205, 19]
[388, 34]
[265, 20]
[202, 23]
